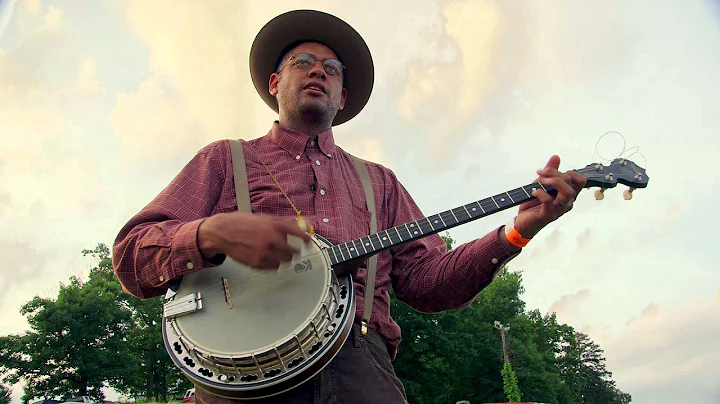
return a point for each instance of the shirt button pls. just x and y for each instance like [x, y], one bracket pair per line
[494, 260]
[190, 265]
[326, 220]
[317, 162]
[329, 155]
[322, 192]
[297, 157]
[312, 143]
[162, 278]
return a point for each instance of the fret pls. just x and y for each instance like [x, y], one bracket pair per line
[334, 254]
[488, 207]
[343, 252]
[339, 253]
[425, 226]
[390, 234]
[410, 235]
[362, 243]
[357, 250]
[475, 208]
[501, 202]
[372, 244]
[447, 218]
[398, 233]
[386, 238]
[460, 214]
[377, 240]
[431, 225]
[416, 230]
[517, 195]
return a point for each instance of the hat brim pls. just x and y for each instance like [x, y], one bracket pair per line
[293, 27]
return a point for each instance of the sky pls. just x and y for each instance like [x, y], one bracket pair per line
[102, 103]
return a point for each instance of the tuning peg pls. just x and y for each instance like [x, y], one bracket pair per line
[627, 194]
[600, 194]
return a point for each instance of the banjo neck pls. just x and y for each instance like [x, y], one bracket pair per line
[620, 170]
[383, 240]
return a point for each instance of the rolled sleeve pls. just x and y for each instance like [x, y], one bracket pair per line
[159, 244]
[432, 279]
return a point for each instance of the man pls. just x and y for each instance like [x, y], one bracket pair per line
[316, 72]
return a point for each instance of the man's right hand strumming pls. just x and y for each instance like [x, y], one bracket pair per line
[257, 241]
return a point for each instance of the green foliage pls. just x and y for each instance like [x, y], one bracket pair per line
[510, 384]
[457, 355]
[74, 343]
[5, 394]
[92, 336]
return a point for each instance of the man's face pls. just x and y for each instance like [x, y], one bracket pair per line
[292, 86]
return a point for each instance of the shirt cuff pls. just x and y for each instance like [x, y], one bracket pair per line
[499, 254]
[185, 255]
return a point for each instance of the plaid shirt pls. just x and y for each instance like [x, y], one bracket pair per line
[160, 242]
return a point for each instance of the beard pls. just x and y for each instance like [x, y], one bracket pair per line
[297, 106]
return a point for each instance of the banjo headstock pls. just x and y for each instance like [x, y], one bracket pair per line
[619, 171]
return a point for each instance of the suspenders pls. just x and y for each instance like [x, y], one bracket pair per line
[242, 194]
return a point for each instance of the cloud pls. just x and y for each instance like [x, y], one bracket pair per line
[569, 303]
[199, 50]
[87, 78]
[669, 354]
[154, 126]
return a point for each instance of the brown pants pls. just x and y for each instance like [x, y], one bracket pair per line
[362, 372]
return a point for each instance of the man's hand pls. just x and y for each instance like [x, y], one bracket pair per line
[258, 241]
[535, 214]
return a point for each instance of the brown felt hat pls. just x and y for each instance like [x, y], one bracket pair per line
[288, 30]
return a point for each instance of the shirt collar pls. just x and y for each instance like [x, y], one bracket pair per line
[295, 142]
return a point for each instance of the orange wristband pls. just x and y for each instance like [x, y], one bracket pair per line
[514, 236]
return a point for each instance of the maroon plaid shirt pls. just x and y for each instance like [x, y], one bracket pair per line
[160, 242]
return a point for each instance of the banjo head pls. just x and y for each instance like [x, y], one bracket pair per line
[242, 332]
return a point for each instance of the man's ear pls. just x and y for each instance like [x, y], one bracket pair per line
[343, 98]
[273, 84]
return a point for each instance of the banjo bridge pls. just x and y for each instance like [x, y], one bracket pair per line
[184, 305]
[226, 291]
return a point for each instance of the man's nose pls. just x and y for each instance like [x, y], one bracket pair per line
[317, 70]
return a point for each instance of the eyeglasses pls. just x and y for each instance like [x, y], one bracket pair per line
[305, 61]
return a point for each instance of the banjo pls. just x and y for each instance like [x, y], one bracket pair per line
[244, 333]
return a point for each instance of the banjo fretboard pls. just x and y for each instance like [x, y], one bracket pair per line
[426, 226]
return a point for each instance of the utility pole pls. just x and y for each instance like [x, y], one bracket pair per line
[503, 331]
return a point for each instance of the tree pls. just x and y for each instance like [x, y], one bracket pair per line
[92, 336]
[510, 384]
[149, 372]
[5, 394]
[457, 355]
[75, 344]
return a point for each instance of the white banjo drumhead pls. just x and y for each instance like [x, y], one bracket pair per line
[268, 306]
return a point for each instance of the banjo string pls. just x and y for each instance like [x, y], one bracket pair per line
[217, 286]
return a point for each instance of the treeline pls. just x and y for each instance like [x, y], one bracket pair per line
[94, 336]
[458, 355]
[91, 336]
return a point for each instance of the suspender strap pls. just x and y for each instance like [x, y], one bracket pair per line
[372, 261]
[242, 193]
